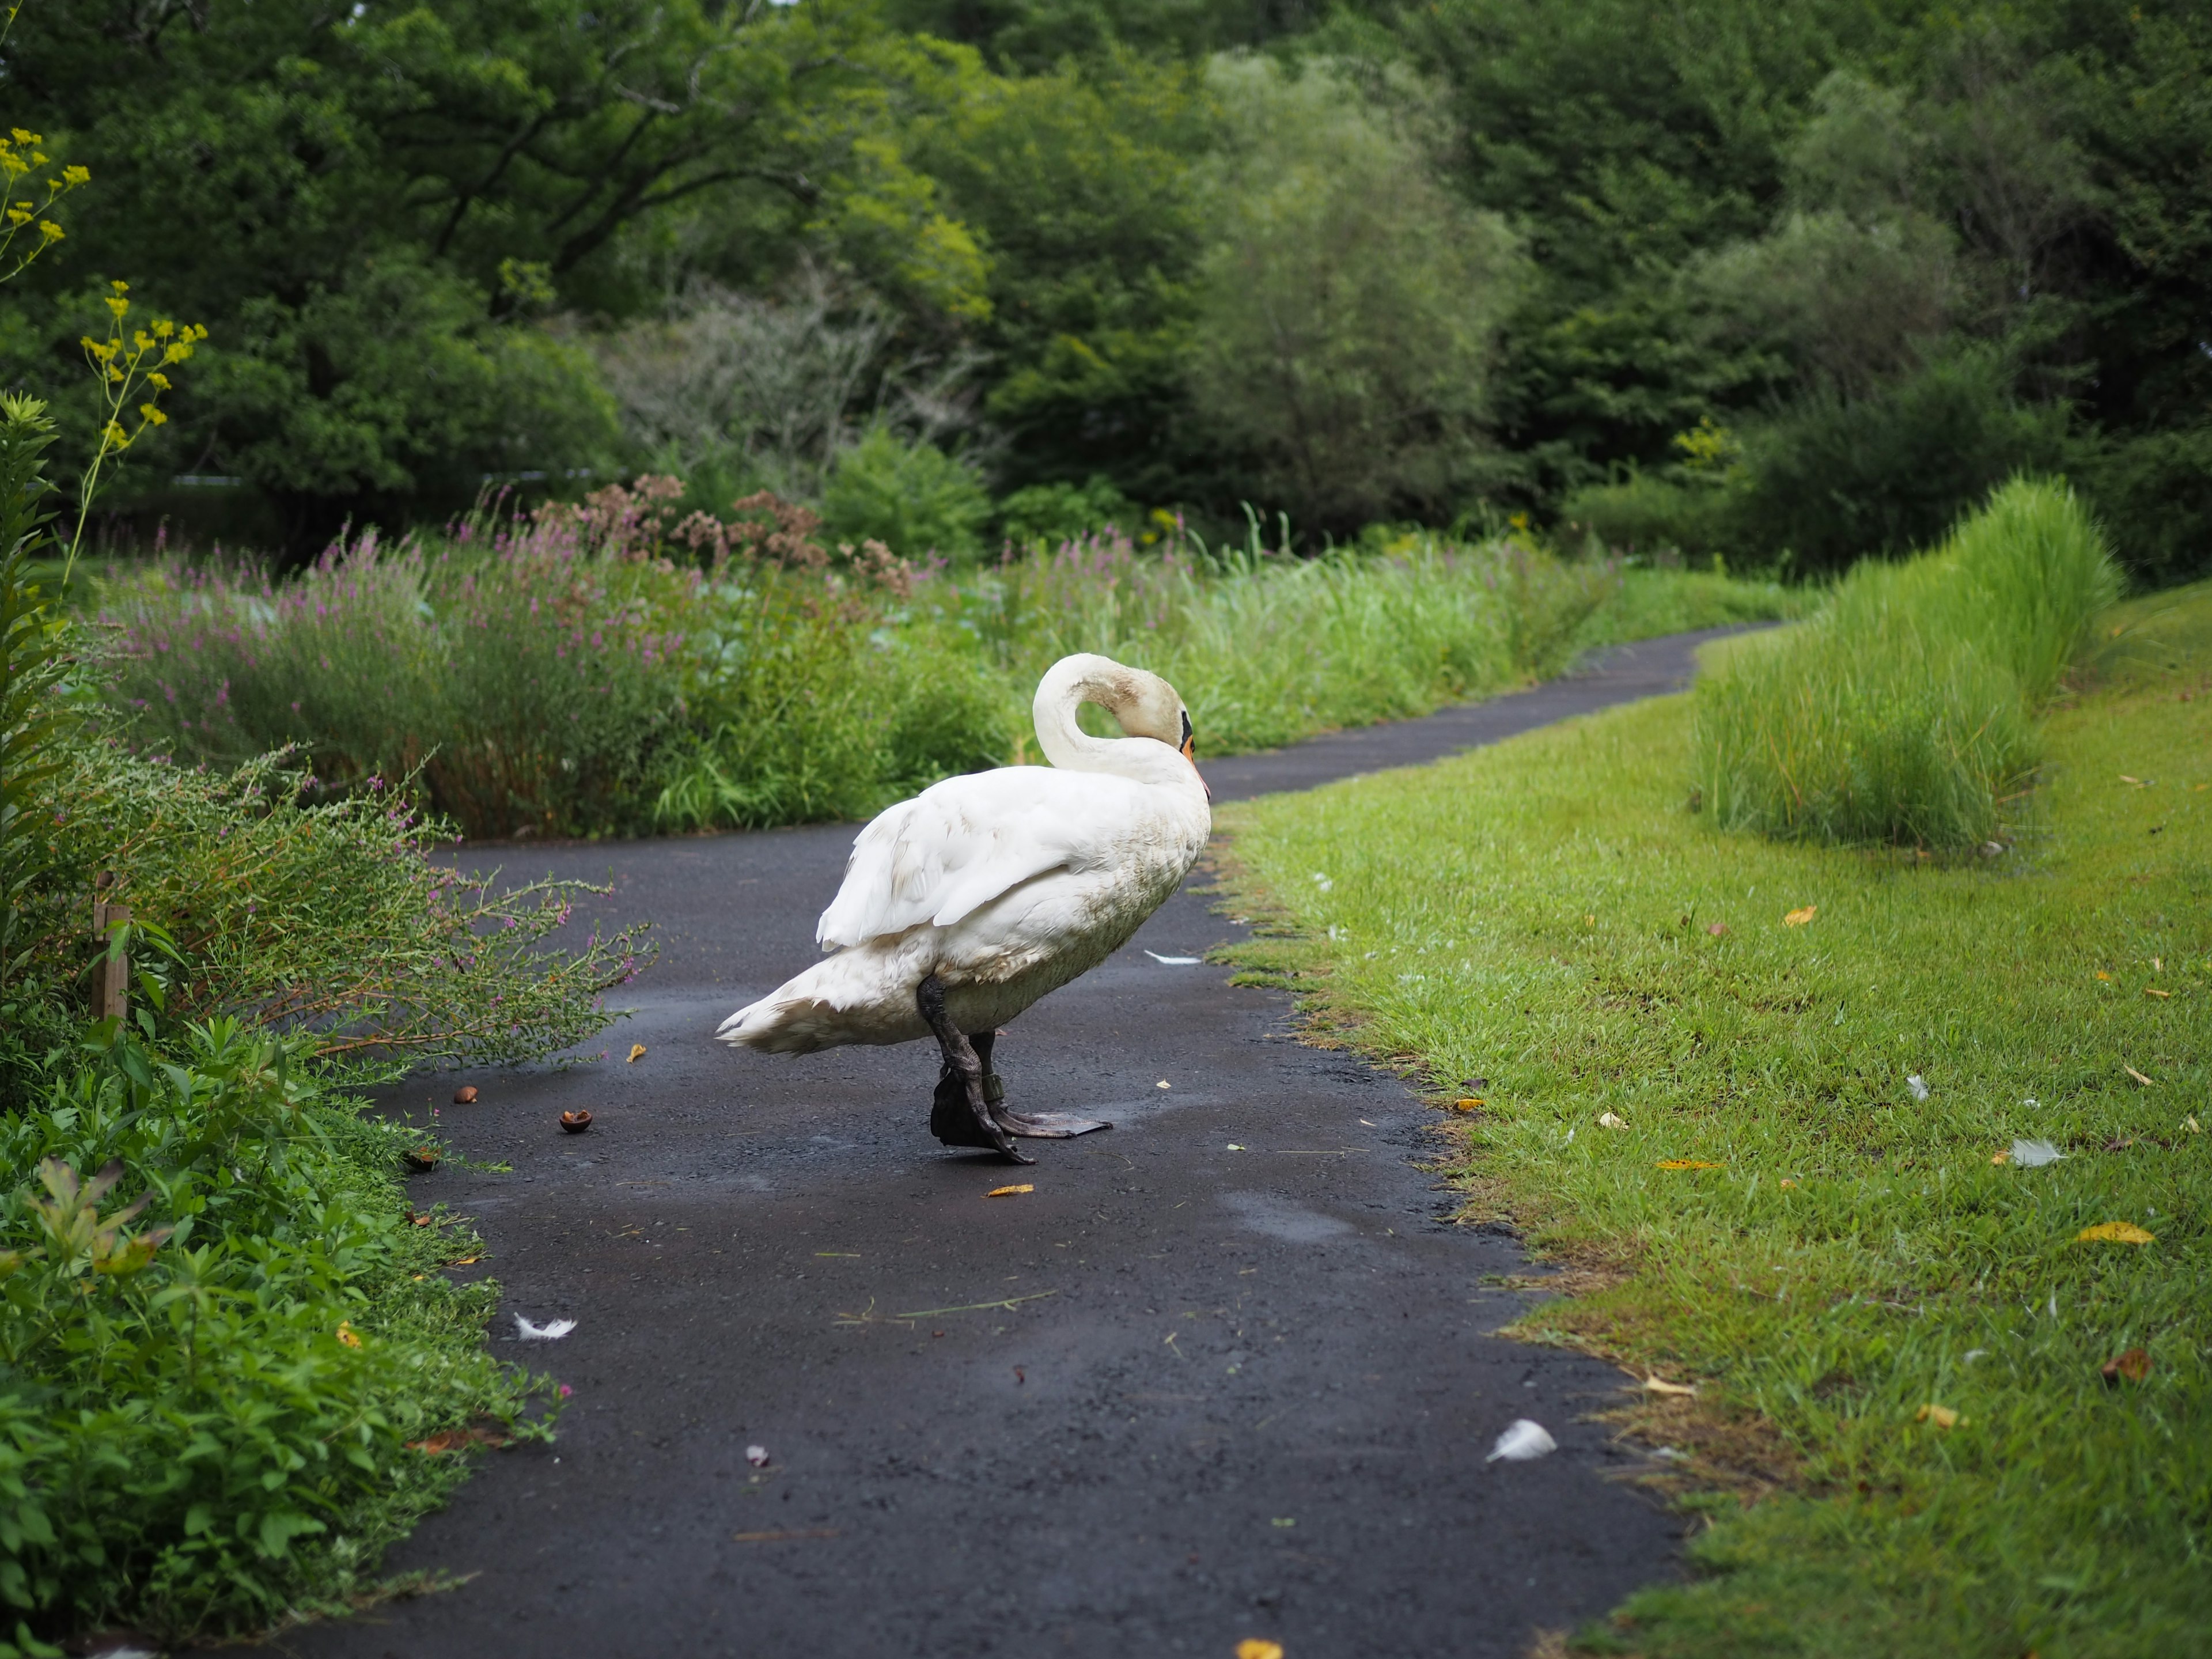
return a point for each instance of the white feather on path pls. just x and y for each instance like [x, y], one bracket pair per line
[551, 1331]
[1522, 1441]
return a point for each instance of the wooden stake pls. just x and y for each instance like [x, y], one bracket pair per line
[115, 977]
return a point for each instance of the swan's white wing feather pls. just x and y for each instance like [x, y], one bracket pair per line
[963, 842]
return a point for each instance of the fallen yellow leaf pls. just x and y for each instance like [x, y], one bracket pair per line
[2192, 1125]
[1688, 1163]
[1942, 1416]
[2001, 1156]
[1470, 1104]
[2125, 778]
[1589, 921]
[2102, 974]
[346, 1333]
[636, 1052]
[2152, 991]
[2139, 1076]
[1799, 918]
[1254, 1647]
[1009, 1192]
[1788, 1184]
[1660, 1385]
[2114, 1232]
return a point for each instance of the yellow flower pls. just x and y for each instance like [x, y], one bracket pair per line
[23, 137]
[119, 306]
[159, 381]
[154, 417]
[75, 176]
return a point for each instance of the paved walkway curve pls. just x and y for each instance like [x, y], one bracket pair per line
[1224, 1374]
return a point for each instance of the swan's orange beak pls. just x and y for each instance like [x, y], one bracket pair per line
[1190, 753]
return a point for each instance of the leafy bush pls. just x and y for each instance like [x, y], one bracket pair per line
[1645, 513]
[210, 1396]
[1056, 512]
[1837, 477]
[911, 496]
[2154, 492]
[220, 1400]
[1904, 711]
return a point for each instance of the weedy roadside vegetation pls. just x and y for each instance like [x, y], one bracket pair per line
[1776, 1106]
[1904, 711]
[230, 1369]
[617, 670]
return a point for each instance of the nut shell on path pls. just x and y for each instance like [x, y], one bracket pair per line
[575, 1122]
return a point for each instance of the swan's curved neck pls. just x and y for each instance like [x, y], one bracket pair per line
[1075, 681]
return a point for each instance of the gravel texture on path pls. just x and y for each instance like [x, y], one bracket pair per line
[1225, 1372]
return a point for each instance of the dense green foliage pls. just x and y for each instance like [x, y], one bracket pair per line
[1904, 711]
[581, 674]
[229, 1371]
[1713, 1113]
[207, 1395]
[1382, 262]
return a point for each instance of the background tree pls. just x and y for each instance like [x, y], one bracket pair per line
[1348, 303]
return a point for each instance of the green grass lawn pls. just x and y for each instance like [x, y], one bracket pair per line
[1842, 1254]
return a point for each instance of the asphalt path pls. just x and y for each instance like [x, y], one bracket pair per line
[1226, 1372]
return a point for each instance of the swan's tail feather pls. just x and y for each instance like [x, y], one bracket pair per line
[780, 1026]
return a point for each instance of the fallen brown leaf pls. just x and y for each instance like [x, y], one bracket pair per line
[1942, 1416]
[2134, 1365]
[1256, 1647]
[636, 1052]
[1009, 1192]
[1799, 918]
[1660, 1385]
[2138, 1076]
[1717, 928]
[777, 1537]
[1688, 1163]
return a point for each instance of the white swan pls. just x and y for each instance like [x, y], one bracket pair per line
[963, 906]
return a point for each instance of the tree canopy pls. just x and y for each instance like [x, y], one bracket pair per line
[1351, 263]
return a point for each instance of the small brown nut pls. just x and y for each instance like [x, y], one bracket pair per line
[465, 1095]
[575, 1122]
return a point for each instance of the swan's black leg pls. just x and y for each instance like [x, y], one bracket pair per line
[960, 1082]
[1042, 1125]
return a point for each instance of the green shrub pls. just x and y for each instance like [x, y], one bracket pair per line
[1904, 711]
[1056, 512]
[1646, 514]
[1835, 478]
[2154, 492]
[206, 1403]
[913, 497]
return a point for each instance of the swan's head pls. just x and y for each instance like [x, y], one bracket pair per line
[1142, 704]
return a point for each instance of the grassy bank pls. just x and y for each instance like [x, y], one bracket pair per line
[1810, 1205]
[615, 671]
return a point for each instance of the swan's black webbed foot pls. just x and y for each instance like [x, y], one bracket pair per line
[960, 1114]
[1037, 1126]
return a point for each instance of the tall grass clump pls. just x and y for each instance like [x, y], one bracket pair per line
[1905, 711]
[1267, 648]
